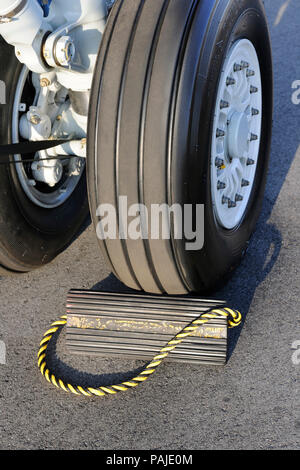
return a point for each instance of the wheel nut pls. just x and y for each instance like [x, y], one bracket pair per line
[231, 204]
[230, 81]
[238, 198]
[225, 200]
[220, 133]
[237, 67]
[250, 73]
[250, 162]
[254, 112]
[253, 137]
[219, 162]
[253, 89]
[221, 185]
[224, 104]
[245, 183]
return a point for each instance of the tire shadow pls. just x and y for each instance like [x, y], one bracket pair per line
[239, 292]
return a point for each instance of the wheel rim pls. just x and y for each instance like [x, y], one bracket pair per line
[40, 194]
[236, 134]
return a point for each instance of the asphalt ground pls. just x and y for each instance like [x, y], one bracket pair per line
[252, 403]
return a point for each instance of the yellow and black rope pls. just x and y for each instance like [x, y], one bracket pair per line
[234, 319]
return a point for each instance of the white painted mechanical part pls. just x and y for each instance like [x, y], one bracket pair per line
[71, 48]
[61, 51]
[8, 7]
[236, 134]
[35, 125]
[60, 175]
[84, 24]
[64, 51]
[23, 26]
[49, 172]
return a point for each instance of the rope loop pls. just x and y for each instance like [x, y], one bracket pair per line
[234, 318]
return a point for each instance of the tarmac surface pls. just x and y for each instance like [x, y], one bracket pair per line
[252, 403]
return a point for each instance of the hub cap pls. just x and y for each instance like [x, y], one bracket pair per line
[236, 134]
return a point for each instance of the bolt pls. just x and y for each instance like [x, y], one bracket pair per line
[250, 162]
[237, 68]
[221, 185]
[5, 20]
[219, 162]
[230, 81]
[45, 82]
[253, 89]
[254, 112]
[245, 64]
[35, 119]
[238, 198]
[224, 104]
[220, 133]
[231, 204]
[245, 183]
[250, 73]
[253, 137]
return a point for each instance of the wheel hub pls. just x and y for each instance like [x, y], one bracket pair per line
[236, 134]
